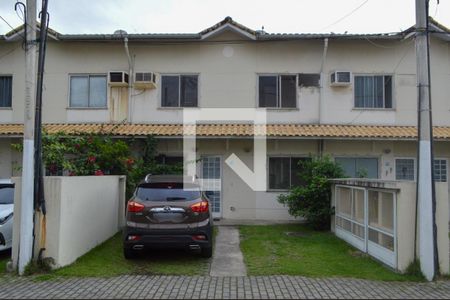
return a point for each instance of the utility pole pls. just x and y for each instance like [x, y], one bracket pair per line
[27, 203]
[425, 182]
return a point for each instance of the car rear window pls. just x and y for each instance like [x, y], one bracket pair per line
[6, 195]
[168, 192]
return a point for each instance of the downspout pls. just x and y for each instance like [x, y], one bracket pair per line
[130, 80]
[322, 81]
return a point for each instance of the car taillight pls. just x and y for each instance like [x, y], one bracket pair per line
[134, 237]
[135, 207]
[200, 207]
[199, 237]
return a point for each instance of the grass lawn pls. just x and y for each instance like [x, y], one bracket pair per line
[107, 260]
[4, 257]
[268, 250]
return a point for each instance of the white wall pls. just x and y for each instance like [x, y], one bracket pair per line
[82, 212]
[231, 81]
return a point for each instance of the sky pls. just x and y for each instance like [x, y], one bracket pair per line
[192, 16]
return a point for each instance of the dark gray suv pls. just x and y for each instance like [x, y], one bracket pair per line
[168, 212]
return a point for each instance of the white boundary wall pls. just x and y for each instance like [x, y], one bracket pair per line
[82, 212]
[405, 218]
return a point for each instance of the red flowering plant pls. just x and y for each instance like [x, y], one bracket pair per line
[101, 154]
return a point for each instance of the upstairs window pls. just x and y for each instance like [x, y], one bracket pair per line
[88, 91]
[5, 91]
[373, 91]
[277, 91]
[179, 90]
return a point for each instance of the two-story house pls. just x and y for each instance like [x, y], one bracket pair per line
[351, 96]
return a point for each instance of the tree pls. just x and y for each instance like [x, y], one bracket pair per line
[312, 200]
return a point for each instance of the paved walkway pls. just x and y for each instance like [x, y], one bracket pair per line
[227, 259]
[195, 287]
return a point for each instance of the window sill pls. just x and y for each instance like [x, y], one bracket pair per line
[280, 108]
[6, 108]
[373, 109]
[177, 108]
[86, 108]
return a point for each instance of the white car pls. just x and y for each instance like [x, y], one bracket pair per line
[6, 213]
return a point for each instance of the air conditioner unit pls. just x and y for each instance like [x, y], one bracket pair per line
[341, 78]
[145, 80]
[119, 79]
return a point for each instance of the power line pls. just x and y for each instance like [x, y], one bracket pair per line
[9, 52]
[14, 29]
[345, 16]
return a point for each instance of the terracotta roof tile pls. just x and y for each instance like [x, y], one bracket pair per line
[241, 130]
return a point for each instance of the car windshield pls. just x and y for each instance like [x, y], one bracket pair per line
[168, 192]
[6, 195]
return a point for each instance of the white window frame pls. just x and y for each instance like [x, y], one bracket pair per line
[278, 75]
[161, 75]
[446, 165]
[384, 94]
[87, 107]
[395, 168]
[385, 255]
[12, 91]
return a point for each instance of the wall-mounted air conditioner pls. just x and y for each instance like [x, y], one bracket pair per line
[145, 80]
[341, 78]
[119, 79]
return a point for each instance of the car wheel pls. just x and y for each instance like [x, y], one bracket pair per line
[129, 253]
[207, 252]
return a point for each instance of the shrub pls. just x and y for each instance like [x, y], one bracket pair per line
[101, 154]
[312, 200]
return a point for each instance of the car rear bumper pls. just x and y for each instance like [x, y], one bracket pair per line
[171, 238]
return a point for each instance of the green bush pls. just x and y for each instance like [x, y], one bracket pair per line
[101, 154]
[312, 200]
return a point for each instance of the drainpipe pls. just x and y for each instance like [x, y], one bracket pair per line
[322, 80]
[130, 80]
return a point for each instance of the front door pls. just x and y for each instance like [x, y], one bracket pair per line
[212, 174]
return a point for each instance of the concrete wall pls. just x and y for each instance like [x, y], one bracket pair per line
[82, 212]
[231, 81]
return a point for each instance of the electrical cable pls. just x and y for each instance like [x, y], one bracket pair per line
[9, 52]
[393, 72]
[14, 29]
[345, 16]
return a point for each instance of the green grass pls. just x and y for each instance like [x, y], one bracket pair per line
[107, 260]
[268, 250]
[4, 257]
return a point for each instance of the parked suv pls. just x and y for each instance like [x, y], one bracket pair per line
[166, 212]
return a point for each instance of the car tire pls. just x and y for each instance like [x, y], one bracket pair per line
[129, 253]
[207, 252]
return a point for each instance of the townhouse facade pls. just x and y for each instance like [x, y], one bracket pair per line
[349, 96]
